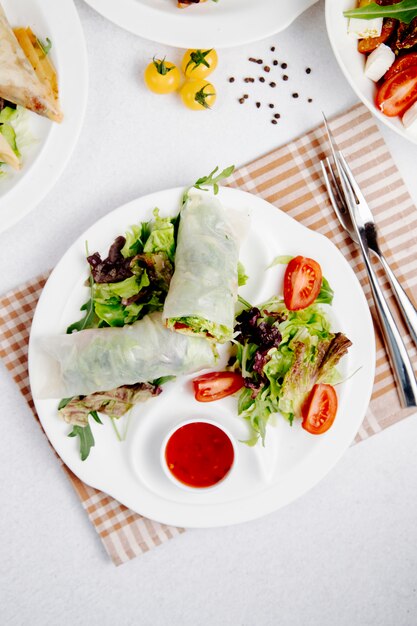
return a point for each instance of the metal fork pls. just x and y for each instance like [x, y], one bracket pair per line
[355, 216]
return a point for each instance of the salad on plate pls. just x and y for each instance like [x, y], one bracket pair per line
[387, 36]
[165, 302]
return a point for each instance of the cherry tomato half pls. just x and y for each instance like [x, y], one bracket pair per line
[319, 411]
[302, 283]
[216, 385]
[401, 64]
[398, 93]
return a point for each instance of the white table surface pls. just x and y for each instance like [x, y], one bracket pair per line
[345, 553]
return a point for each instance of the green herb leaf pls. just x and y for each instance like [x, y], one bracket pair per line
[90, 319]
[64, 403]
[210, 181]
[158, 382]
[95, 417]
[161, 66]
[46, 47]
[404, 11]
[86, 439]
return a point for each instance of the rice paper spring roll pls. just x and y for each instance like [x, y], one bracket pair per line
[104, 358]
[203, 291]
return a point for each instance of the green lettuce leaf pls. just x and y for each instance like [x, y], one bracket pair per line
[326, 293]
[311, 365]
[157, 235]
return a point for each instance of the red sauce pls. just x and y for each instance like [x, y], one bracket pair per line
[199, 454]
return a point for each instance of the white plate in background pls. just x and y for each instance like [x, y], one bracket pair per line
[211, 24]
[52, 143]
[352, 63]
[264, 479]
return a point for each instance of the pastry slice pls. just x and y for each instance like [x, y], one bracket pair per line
[19, 82]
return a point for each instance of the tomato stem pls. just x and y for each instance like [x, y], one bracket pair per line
[161, 66]
[198, 57]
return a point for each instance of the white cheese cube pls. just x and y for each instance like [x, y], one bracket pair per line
[379, 62]
[410, 119]
[360, 29]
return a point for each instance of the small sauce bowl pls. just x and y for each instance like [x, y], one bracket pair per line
[198, 454]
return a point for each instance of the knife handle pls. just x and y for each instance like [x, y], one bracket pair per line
[400, 361]
[408, 310]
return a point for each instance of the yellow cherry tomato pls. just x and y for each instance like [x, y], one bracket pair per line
[199, 63]
[198, 95]
[162, 76]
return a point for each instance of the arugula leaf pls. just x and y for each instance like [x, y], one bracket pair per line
[95, 417]
[162, 380]
[45, 47]
[63, 403]
[90, 319]
[86, 439]
[404, 11]
[210, 181]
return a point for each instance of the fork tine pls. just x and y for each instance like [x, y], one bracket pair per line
[336, 186]
[352, 181]
[330, 137]
[333, 200]
[348, 194]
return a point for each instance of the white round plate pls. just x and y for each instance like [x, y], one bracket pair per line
[264, 479]
[211, 24]
[352, 63]
[53, 143]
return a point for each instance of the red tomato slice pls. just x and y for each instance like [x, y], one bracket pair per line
[401, 64]
[216, 385]
[180, 326]
[320, 409]
[398, 93]
[302, 283]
